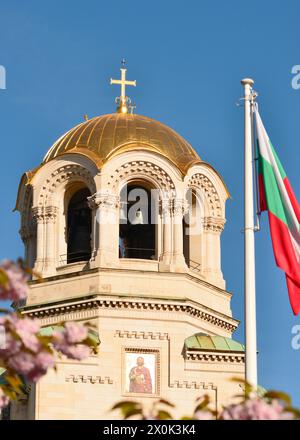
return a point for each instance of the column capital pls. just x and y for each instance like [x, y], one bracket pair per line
[104, 199]
[38, 213]
[165, 206]
[213, 224]
[178, 207]
[50, 213]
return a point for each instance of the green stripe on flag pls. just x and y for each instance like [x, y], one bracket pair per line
[280, 167]
[273, 197]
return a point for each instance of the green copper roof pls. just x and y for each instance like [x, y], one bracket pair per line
[202, 341]
[48, 331]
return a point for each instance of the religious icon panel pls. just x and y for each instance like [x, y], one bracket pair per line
[141, 371]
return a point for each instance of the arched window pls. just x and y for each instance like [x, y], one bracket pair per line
[193, 232]
[79, 227]
[137, 231]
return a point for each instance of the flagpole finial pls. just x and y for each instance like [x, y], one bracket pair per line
[248, 81]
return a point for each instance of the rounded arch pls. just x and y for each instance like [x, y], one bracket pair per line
[78, 223]
[138, 219]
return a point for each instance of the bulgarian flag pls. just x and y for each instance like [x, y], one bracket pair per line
[277, 197]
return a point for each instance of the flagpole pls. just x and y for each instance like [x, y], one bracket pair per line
[249, 250]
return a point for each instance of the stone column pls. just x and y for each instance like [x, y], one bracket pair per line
[50, 257]
[213, 227]
[25, 236]
[38, 217]
[178, 261]
[95, 227]
[166, 217]
[105, 240]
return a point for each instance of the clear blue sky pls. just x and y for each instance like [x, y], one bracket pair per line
[188, 59]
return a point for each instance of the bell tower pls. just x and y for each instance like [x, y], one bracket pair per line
[122, 222]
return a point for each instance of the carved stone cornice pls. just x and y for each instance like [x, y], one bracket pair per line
[81, 378]
[66, 311]
[213, 224]
[201, 356]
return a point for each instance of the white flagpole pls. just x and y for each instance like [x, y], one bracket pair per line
[250, 303]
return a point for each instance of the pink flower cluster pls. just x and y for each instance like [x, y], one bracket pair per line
[256, 409]
[69, 341]
[23, 352]
[4, 400]
[16, 287]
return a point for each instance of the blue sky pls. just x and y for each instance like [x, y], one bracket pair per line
[188, 59]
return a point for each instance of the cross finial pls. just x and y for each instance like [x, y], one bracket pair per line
[123, 82]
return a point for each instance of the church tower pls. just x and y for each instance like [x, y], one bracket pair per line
[122, 221]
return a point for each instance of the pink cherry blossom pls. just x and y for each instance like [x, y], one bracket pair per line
[256, 409]
[75, 333]
[66, 341]
[16, 288]
[204, 415]
[4, 400]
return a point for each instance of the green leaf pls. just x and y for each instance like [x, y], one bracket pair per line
[202, 405]
[164, 415]
[4, 280]
[128, 408]
[279, 395]
[165, 402]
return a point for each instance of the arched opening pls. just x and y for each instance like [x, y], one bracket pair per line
[193, 232]
[79, 227]
[137, 230]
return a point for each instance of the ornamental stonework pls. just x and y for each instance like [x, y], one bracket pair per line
[141, 168]
[202, 182]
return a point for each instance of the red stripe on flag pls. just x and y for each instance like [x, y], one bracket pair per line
[286, 259]
[262, 194]
[292, 198]
[294, 294]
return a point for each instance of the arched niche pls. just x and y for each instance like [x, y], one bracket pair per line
[192, 223]
[78, 223]
[138, 220]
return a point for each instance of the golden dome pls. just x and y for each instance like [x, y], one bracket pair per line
[103, 137]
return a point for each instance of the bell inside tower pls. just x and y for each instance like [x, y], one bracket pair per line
[79, 227]
[137, 225]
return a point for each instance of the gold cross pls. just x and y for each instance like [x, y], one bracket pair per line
[123, 82]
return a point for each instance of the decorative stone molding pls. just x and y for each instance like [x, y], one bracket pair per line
[50, 213]
[38, 214]
[178, 207]
[141, 335]
[69, 172]
[215, 357]
[65, 312]
[104, 199]
[80, 378]
[213, 224]
[28, 232]
[192, 384]
[141, 168]
[203, 182]
[165, 207]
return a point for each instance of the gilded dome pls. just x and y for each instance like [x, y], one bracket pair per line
[103, 137]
